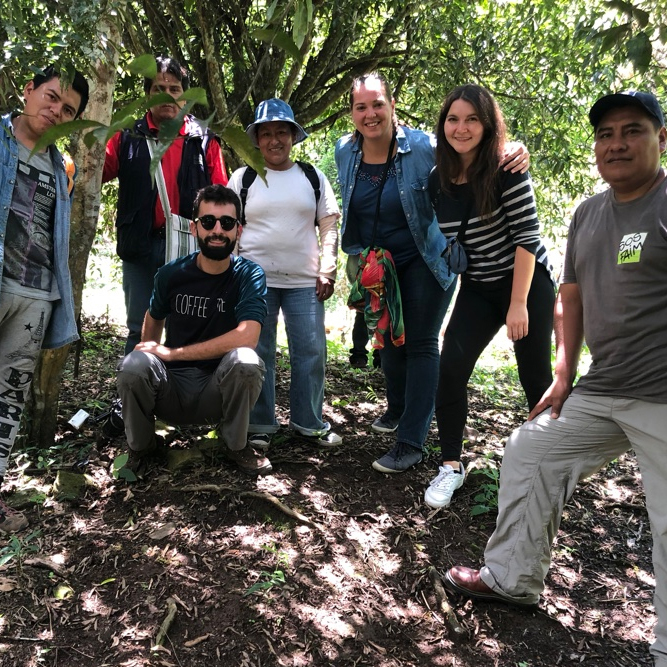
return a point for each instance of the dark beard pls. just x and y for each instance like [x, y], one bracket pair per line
[217, 253]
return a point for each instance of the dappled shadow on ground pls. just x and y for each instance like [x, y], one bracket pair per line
[337, 575]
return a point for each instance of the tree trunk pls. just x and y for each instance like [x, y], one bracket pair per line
[41, 417]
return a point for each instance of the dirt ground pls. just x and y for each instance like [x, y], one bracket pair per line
[323, 562]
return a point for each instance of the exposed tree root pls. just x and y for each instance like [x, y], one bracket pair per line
[166, 624]
[269, 498]
[445, 607]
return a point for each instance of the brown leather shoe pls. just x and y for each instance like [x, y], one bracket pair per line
[248, 460]
[466, 581]
[11, 520]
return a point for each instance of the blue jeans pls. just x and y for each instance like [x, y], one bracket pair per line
[411, 370]
[138, 278]
[306, 339]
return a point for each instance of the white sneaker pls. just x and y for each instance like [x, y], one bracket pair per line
[328, 439]
[259, 440]
[441, 489]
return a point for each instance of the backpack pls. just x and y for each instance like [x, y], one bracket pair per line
[70, 172]
[250, 175]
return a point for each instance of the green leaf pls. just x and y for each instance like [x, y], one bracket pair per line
[613, 36]
[640, 15]
[301, 24]
[479, 509]
[127, 475]
[240, 142]
[271, 11]
[106, 581]
[63, 130]
[259, 586]
[640, 51]
[280, 39]
[143, 66]
[663, 32]
[63, 592]
[194, 95]
[6, 558]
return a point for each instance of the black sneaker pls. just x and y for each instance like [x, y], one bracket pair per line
[358, 360]
[399, 458]
[384, 424]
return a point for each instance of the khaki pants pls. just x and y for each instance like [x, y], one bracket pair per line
[186, 396]
[544, 459]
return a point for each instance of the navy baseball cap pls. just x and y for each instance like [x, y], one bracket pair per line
[633, 98]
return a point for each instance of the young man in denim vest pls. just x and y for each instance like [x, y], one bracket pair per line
[36, 304]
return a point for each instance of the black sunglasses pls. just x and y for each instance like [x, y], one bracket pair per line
[226, 222]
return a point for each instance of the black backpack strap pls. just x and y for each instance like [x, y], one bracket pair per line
[314, 179]
[248, 179]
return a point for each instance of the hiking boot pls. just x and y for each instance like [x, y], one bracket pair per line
[248, 460]
[260, 440]
[11, 520]
[384, 424]
[398, 459]
[137, 461]
[441, 489]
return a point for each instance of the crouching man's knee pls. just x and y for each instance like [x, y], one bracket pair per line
[244, 365]
[139, 367]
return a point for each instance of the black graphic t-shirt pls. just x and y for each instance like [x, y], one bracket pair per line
[28, 262]
[201, 306]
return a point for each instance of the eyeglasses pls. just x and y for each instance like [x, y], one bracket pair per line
[226, 222]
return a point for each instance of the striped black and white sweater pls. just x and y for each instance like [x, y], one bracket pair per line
[490, 243]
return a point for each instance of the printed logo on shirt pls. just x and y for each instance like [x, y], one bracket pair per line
[630, 248]
[196, 306]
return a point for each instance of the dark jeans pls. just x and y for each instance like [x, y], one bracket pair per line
[411, 370]
[359, 336]
[479, 313]
[138, 279]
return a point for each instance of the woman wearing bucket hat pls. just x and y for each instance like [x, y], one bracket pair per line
[291, 232]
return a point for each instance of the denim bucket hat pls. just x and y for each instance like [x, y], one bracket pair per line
[274, 110]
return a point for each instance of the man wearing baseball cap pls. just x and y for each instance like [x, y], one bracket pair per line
[613, 295]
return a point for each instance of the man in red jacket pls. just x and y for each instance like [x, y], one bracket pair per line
[194, 160]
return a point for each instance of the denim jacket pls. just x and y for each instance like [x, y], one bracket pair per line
[62, 326]
[414, 160]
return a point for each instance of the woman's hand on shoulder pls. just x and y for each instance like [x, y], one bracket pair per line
[516, 157]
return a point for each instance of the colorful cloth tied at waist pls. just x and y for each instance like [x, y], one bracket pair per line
[376, 288]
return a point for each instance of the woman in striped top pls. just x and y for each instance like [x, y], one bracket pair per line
[508, 277]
